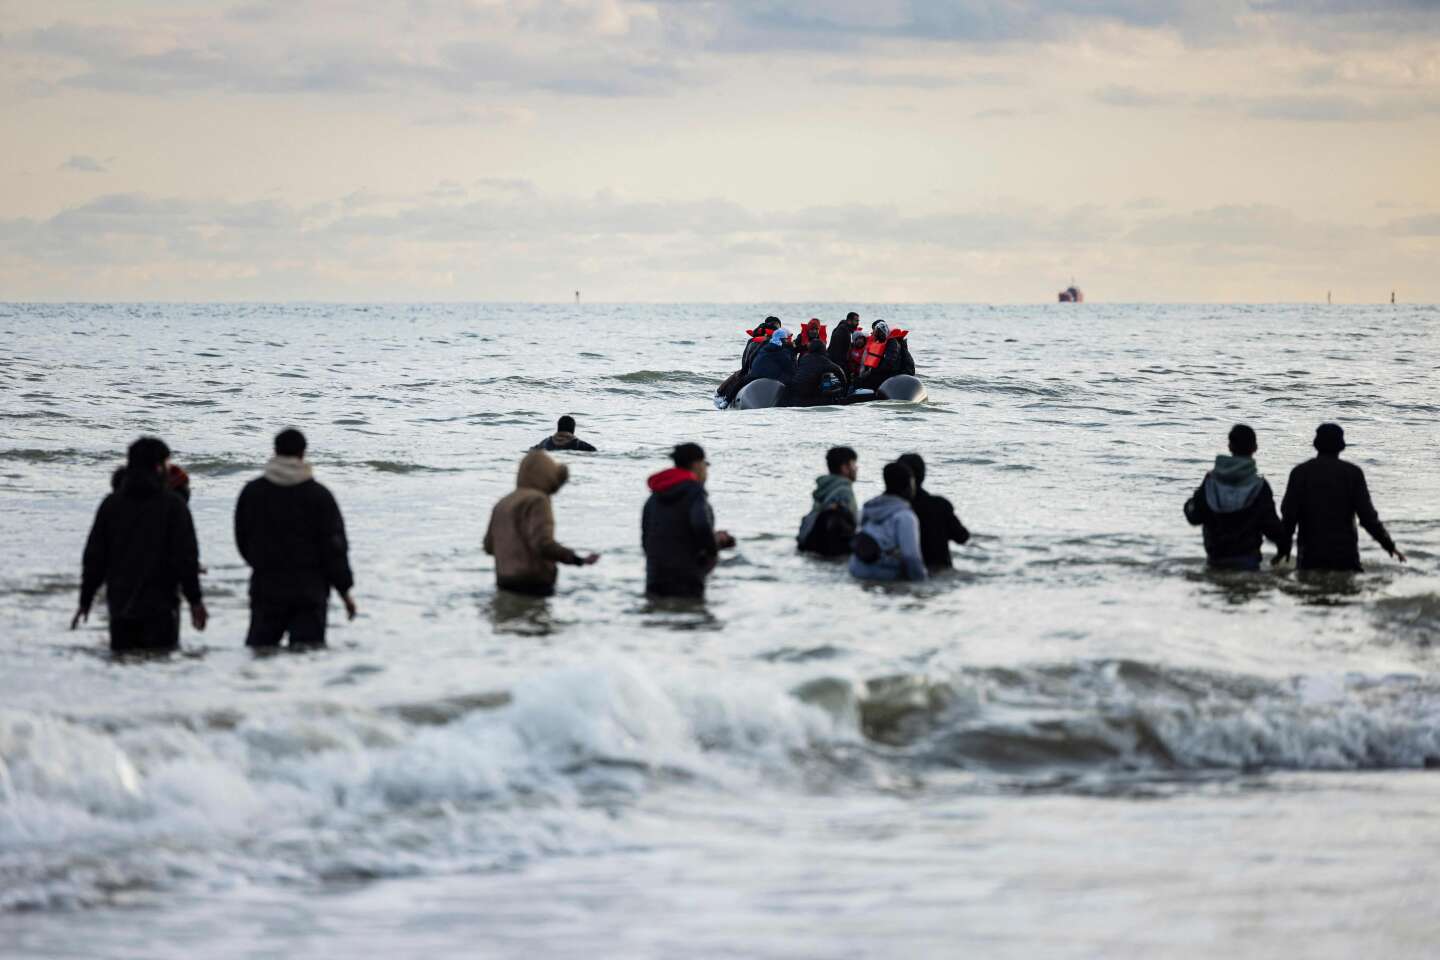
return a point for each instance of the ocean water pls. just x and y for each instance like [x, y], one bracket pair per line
[1080, 744]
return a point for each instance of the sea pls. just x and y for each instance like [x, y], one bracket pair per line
[1078, 744]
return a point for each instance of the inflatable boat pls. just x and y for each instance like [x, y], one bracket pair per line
[760, 394]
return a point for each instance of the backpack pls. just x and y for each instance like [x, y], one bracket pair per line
[827, 532]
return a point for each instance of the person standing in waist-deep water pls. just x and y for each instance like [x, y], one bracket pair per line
[888, 544]
[830, 525]
[1323, 499]
[1235, 506]
[289, 529]
[677, 527]
[564, 438]
[142, 548]
[521, 535]
[839, 348]
[939, 526]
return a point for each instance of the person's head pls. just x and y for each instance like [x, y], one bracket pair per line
[779, 337]
[843, 462]
[771, 323]
[1242, 441]
[691, 456]
[565, 424]
[1329, 439]
[147, 457]
[289, 443]
[857, 338]
[916, 463]
[852, 317]
[880, 328]
[899, 481]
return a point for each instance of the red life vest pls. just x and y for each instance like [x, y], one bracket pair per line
[874, 349]
[812, 329]
[759, 334]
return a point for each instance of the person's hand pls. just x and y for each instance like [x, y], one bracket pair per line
[1398, 554]
[723, 540]
[590, 559]
[199, 616]
[81, 616]
[350, 608]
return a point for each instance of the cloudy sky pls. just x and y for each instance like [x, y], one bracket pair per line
[752, 150]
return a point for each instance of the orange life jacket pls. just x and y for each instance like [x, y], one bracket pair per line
[874, 349]
[812, 329]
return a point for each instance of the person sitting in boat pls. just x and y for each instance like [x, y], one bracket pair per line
[855, 356]
[817, 377]
[839, 349]
[757, 339]
[886, 354]
[811, 331]
[775, 360]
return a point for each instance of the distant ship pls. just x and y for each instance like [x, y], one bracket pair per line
[1072, 294]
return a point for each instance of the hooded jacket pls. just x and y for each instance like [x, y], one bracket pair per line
[939, 525]
[1235, 506]
[775, 361]
[809, 371]
[832, 492]
[1323, 499]
[564, 440]
[142, 549]
[289, 529]
[677, 533]
[891, 521]
[521, 535]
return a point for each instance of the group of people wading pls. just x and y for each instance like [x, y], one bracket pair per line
[818, 365]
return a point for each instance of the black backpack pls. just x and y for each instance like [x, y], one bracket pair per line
[828, 532]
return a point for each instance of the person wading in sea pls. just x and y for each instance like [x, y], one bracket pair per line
[677, 527]
[564, 438]
[1324, 498]
[1236, 508]
[142, 549]
[521, 535]
[289, 529]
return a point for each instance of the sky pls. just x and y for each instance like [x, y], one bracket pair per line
[746, 151]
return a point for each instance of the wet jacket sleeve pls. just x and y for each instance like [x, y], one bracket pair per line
[1365, 510]
[1290, 508]
[490, 535]
[95, 559]
[908, 537]
[702, 526]
[584, 447]
[1269, 520]
[185, 551]
[243, 524]
[537, 526]
[1197, 511]
[954, 529]
[335, 548]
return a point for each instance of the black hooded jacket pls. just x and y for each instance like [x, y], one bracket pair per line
[142, 548]
[1236, 507]
[293, 537]
[677, 533]
[810, 370]
[1323, 499]
[939, 526]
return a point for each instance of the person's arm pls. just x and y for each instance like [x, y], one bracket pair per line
[909, 542]
[1197, 511]
[92, 565]
[907, 362]
[584, 447]
[537, 526]
[335, 548]
[1289, 516]
[243, 510]
[185, 550]
[1369, 519]
[954, 529]
[702, 527]
[489, 544]
[1270, 525]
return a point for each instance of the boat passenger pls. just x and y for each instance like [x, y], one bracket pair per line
[839, 348]
[887, 354]
[776, 360]
[816, 377]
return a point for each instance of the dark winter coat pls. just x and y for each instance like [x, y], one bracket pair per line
[289, 529]
[838, 349]
[1324, 498]
[774, 362]
[809, 372]
[564, 441]
[142, 549]
[677, 533]
[1237, 509]
[939, 526]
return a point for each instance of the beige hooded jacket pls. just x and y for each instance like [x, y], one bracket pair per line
[521, 537]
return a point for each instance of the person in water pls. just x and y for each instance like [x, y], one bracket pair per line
[289, 530]
[886, 354]
[1324, 498]
[888, 544]
[142, 549]
[1236, 508]
[677, 527]
[776, 360]
[564, 438]
[521, 535]
[939, 526]
[830, 525]
[816, 377]
[839, 348]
